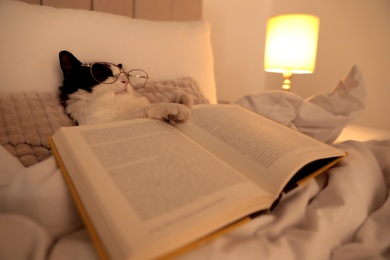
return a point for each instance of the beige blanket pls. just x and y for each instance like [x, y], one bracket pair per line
[27, 119]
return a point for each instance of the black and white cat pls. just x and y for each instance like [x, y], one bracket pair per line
[102, 92]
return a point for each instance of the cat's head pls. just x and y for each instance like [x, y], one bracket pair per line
[78, 76]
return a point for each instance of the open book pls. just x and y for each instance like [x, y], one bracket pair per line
[146, 188]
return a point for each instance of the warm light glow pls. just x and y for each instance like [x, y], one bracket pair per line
[291, 43]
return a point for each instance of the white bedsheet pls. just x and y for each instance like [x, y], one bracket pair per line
[343, 214]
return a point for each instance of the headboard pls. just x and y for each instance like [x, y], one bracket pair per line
[171, 10]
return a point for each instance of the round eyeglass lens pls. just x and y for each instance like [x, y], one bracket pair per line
[138, 78]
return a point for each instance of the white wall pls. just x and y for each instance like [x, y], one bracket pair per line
[351, 32]
[237, 34]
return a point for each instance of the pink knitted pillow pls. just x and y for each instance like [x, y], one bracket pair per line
[27, 119]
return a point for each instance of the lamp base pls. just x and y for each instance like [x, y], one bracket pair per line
[287, 82]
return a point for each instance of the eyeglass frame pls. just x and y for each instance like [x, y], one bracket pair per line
[119, 66]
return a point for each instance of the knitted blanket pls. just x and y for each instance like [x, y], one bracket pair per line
[27, 119]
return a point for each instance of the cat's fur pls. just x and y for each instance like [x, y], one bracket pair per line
[87, 101]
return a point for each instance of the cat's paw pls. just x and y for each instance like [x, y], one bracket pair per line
[169, 112]
[182, 97]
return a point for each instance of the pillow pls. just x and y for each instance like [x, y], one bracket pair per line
[33, 35]
[28, 118]
[161, 91]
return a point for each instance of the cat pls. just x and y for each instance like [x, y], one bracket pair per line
[88, 99]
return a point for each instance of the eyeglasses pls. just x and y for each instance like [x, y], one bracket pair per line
[108, 73]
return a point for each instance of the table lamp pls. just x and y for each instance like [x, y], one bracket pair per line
[291, 45]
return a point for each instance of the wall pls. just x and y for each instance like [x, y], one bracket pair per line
[351, 32]
[237, 34]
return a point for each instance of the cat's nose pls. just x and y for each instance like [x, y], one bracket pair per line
[124, 80]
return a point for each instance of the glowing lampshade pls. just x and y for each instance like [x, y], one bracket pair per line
[291, 45]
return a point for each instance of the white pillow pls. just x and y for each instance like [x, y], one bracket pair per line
[32, 36]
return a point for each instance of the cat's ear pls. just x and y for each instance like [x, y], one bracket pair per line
[69, 63]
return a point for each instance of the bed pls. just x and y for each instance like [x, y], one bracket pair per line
[342, 214]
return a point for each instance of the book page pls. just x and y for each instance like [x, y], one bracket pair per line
[267, 152]
[156, 180]
[147, 173]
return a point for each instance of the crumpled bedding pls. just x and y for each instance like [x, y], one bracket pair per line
[342, 214]
[321, 116]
